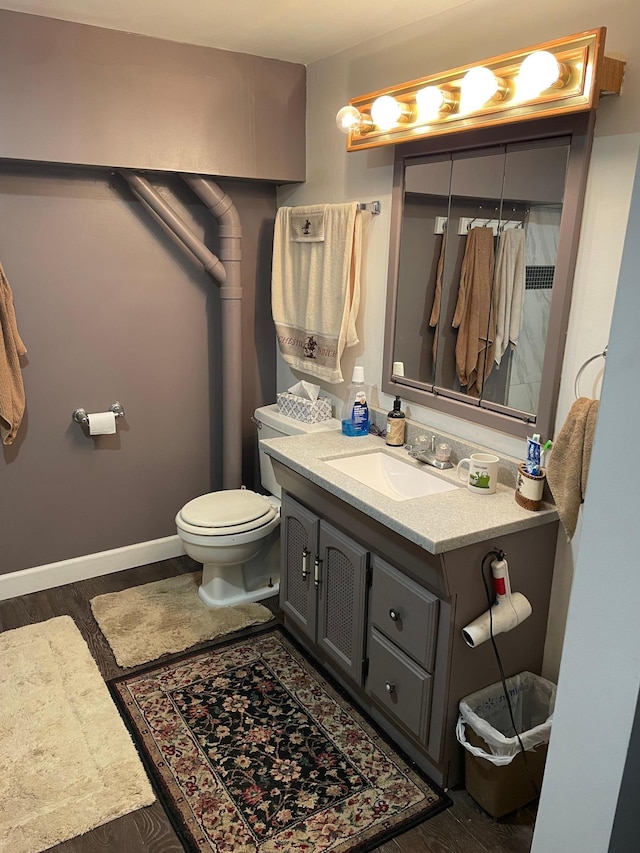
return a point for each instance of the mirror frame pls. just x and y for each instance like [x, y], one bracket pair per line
[579, 128]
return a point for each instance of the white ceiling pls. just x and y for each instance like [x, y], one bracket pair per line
[293, 30]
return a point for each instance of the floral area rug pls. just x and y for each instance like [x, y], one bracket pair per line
[253, 751]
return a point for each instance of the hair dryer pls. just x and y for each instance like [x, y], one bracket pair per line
[509, 609]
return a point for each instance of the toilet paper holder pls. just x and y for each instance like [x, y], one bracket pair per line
[80, 416]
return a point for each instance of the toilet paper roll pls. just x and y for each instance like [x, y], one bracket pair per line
[102, 423]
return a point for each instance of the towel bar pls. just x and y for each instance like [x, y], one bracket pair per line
[576, 388]
[80, 416]
[373, 206]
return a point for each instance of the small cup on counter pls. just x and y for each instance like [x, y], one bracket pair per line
[529, 488]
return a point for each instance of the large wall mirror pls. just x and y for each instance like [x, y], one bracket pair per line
[484, 238]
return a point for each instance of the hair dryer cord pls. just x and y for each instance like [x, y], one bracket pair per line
[500, 555]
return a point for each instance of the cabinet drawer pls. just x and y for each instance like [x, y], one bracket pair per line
[404, 612]
[402, 688]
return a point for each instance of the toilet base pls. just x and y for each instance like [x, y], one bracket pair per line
[258, 578]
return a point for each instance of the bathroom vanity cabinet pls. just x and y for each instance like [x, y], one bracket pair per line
[384, 616]
[323, 587]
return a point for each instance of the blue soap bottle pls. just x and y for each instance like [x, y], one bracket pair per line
[355, 415]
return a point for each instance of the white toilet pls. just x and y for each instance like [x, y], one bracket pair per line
[235, 533]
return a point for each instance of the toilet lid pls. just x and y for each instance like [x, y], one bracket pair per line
[229, 511]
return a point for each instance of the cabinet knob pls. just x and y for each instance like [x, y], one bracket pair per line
[394, 615]
[390, 687]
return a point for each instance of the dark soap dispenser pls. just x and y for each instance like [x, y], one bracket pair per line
[395, 425]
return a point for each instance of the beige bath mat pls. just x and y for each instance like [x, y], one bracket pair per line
[67, 762]
[144, 622]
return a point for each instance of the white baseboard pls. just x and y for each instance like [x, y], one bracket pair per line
[37, 578]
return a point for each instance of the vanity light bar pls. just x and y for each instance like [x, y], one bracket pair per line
[561, 76]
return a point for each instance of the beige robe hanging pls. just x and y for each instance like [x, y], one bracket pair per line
[473, 317]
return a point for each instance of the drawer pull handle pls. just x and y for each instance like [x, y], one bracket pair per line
[316, 571]
[390, 687]
[394, 615]
[306, 553]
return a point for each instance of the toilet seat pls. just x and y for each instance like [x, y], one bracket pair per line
[226, 513]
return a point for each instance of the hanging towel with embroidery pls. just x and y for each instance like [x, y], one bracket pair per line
[12, 399]
[315, 285]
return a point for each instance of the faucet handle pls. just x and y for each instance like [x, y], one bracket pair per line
[443, 451]
[425, 442]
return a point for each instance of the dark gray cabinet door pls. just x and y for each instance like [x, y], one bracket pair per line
[341, 580]
[299, 538]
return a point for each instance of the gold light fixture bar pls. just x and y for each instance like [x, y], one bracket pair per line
[561, 76]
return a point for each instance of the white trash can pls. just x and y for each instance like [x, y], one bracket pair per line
[497, 775]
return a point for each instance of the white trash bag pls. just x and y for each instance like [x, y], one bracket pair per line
[532, 702]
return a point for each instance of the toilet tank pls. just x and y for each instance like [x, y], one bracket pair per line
[271, 424]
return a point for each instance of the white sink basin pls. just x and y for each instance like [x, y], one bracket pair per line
[392, 477]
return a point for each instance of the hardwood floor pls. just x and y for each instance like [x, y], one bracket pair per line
[464, 828]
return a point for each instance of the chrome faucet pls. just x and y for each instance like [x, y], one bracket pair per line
[425, 450]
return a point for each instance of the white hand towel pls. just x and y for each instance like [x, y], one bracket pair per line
[508, 290]
[315, 285]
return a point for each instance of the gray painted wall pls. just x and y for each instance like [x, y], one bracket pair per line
[111, 308]
[71, 93]
[109, 305]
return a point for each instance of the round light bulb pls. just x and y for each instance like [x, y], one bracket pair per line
[386, 112]
[478, 86]
[348, 119]
[430, 101]
[539, 71]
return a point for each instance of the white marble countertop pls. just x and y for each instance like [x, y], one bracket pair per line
[437, 523]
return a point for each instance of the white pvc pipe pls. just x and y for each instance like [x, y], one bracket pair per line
[228, 276]
[230, 233]
[146, 193]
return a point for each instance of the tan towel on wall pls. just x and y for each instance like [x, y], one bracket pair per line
[12, 401]
[473, 317]
[315, 285]
[568, 466]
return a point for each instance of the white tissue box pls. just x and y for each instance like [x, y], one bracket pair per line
[307, 411]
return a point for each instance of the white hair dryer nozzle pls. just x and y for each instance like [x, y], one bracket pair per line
[509, 610]
[504, 616]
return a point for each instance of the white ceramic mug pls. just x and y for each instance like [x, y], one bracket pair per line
[482, 474]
